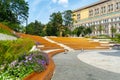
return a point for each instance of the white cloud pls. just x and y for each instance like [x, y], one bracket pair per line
[63, 1]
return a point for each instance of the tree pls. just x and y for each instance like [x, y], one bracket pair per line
[88, 31]
[113, 31]
[68, 20]
[35, 28]
[66, 32]
[82, 30]
[51, 30]
[56, 21]
[79, 31]
[13, 12]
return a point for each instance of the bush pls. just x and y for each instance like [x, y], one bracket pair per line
[11, 50]
[24, 65]
[94, 37]
[117, 38]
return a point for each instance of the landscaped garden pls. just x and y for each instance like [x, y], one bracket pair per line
[16, 62]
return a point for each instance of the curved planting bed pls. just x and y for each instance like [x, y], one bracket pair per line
[25, 65]
[47, 74]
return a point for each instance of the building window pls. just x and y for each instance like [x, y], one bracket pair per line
[96, 11]
[78, 16]
[118, 5]
[91, 13]
[104, 9]
[111, 7]
[101, 9]
[108, 8]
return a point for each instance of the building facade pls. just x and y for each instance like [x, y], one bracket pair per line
[105, 13]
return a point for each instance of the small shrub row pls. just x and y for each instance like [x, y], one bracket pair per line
[117, 38]
[24, 65]
[100, 37]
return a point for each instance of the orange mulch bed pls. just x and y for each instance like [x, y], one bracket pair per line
[77, 43]
[47, 74]
[47, 45]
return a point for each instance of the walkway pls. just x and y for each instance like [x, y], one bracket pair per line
[62, 45]
[69, 67]
[7, 37]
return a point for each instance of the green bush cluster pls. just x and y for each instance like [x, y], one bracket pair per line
[100, 37]
[117, 38]
[11, 50]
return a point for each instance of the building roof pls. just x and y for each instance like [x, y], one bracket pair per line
[94, 4]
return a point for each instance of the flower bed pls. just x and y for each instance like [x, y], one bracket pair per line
[24, 65]
[47, 74]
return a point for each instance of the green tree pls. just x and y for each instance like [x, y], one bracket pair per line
[79, 31]
[68, 20]
[88, 31]
[66, 32]
[51, 30]
[57, 21]
[13, 12]
[35, 28]
[82, 30]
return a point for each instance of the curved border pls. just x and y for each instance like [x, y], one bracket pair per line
[47, 74]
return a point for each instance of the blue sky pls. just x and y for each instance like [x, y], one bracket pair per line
[41, 9]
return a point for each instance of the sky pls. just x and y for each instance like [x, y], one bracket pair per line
[42, 9]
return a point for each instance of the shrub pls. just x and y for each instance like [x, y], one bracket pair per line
[24, 65]
[117, 38]
[10, 50]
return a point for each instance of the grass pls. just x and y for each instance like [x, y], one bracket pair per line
[5, 30]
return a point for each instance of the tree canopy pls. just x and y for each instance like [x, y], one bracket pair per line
[35, 28]
[15, 11]
[67, 18]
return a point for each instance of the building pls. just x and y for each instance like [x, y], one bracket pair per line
[105, 13]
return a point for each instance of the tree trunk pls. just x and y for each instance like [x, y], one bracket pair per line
[61, 33]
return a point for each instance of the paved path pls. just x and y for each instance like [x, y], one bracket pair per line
[69, 67]
[7, 37]
[105, 59]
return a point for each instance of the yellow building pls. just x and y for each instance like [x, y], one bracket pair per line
[103, 12]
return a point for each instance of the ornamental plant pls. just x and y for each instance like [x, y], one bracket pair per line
[24, 65]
